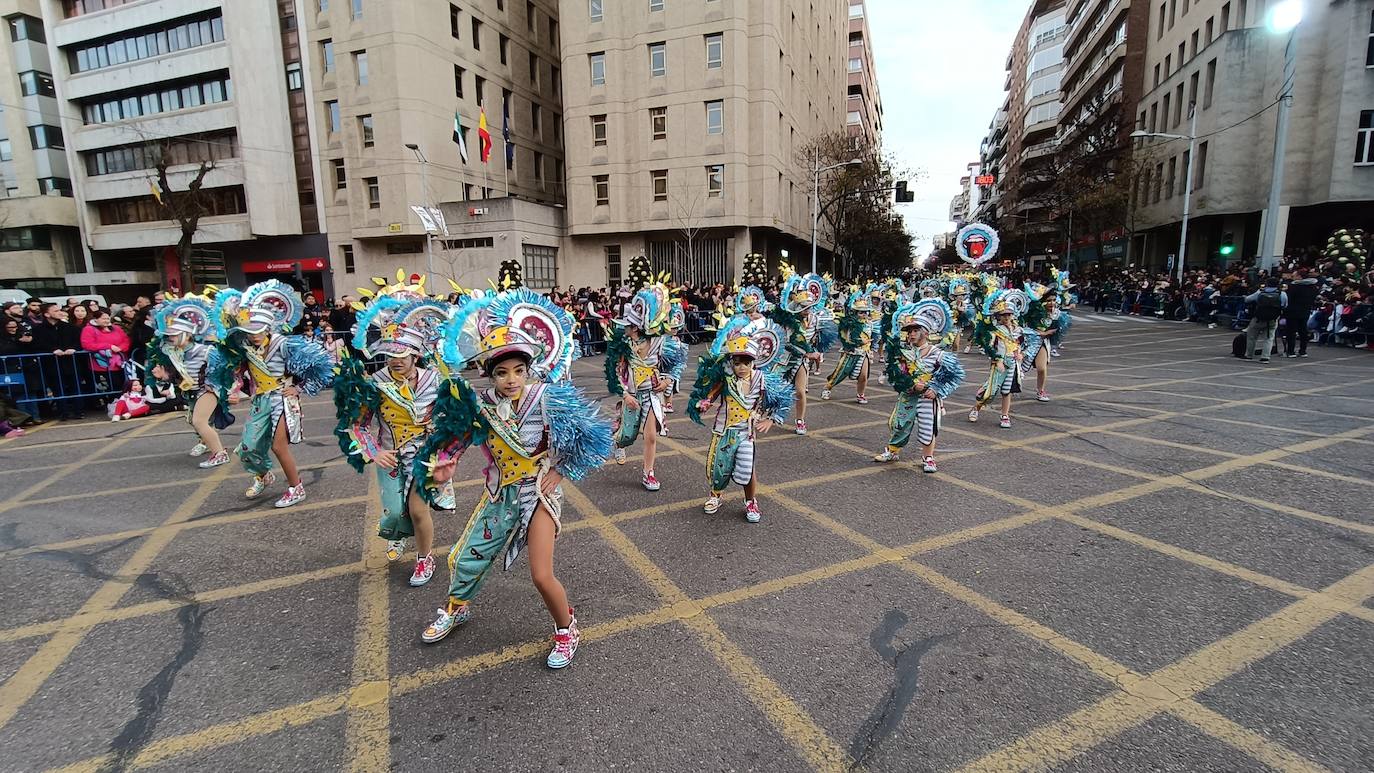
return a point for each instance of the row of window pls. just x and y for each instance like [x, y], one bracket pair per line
[191, 149]
[26, 238]
[145, 209]
[36, 83]
[1174, 104]
[1171, 7]
[355, 7]
[148, 42]
[25, 27]
[658, 185]
[658, 58]
[1167, 178]
[658, 123]
[596, 9]
[72, 8]
[161, 98]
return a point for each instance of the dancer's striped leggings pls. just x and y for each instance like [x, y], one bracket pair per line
[913, 412]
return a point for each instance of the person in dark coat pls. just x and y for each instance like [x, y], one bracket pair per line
[57, 337]
[1302, 297]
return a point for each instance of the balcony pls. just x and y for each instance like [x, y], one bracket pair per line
[1089, 80]
[1038, 150]
[1084, 37]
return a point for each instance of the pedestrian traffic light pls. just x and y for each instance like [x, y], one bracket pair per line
[904, 196]
[1228, 244]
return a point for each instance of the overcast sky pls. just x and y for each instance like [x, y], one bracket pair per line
[941, 66]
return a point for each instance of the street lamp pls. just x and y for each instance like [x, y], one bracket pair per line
[424, 184]
[816, 199]
[1284, 17]
[1191, 136]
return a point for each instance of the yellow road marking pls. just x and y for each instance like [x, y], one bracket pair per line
[367, 737]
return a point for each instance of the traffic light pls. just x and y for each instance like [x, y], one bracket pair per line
[1228, 244]
[904, 196]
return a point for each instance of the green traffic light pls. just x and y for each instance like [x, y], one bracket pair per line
[1227, 249]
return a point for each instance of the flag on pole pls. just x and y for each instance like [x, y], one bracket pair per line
[460, 137]
[505, 133]
[484, 136]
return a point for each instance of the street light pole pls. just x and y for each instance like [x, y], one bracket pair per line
[424, 185]
[1287, 14]
[1187, 190]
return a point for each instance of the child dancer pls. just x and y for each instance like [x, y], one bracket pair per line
[677, 322]
[1065, 301]
[642, 362]
[183, 351]
[795, 314]
[999, 334]
[399, 399]
[922, 374]
[735, 377]
[855, 340]
[1042, 322]
[279, 368]
[533, 427]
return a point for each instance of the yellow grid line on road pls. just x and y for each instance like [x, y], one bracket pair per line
[367, 735]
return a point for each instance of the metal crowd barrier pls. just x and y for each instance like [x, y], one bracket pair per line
[38, 382]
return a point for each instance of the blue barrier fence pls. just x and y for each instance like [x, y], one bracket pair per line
[57, 384]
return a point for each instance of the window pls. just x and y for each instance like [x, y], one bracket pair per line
[655, 5]
[599, 131]
[553, 32]
[1162, 10]
[1173, 178]
[856, 11]
[1201, 174]
[601, 188]
[1158, 181]
[458, 81]
[190, 149]
[24, 27]
[479, 87]
[160, 98]
[715, 51]
[145, 209]
[1242, 12]
[534, 71]
[856, 39]
[1178, 105]
[469, 244]
[1192, 88]
[1225, 18]
[658, 123]
[1156, 85]
[658, 59]
[529, 16]
[595, 7]
[340, 174]
[476, 35]
[1369, 50]
[1364, 138]
[27, 238]
[1183, 177]
[1168, 65]
[1173, 12]
[332, 108]
[541, 266]
[6, 151]
[715, 117]
[536, 120]
[1164, 114]
[715, 181]
[360, 66]
[503, 45]
[1210, 85]
[539, 168]
[855, 64]
[613, 276]
[54, 186]
[1182, 54]
[1194, 43]
[1154, 116]
[598, 64]
[34, 83]
[151, 41]
[365, 131]
[501, 5]
[346, 252]
[44, 136]
[658, 180]
[357, 11]
[374, 193]
[295, 81]
[852, 118]
[327, 54]
[1211, 23]
[324, 5]
[455, 18]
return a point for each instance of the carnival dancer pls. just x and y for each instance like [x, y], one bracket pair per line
[1040, 327]
[182, 353]
[534, 429]
[922, 374]
[965, 315]
[795, 313]
[855, 350]
[999, 335]
[734, 378]
[279, 368]
[677, 322]
[981, 286]
[399, 324]
[1065, 301]
[642, 362]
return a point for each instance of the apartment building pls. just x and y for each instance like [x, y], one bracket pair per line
[684, 121]
[1035, 68]
[992, 154]
[389, 75]
[863, 104]
[190, 81]
[39, 240]
[1219, 58]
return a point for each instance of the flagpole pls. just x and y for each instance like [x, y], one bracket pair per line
[505, 154]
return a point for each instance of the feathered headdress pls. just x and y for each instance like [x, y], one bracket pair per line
[649, 310]
[268, 306]
[958, 286]
[192, 315]
[858, 302]
[490, 326]
[932, 288]
[802, 291]
[751, 298]
[933, 314]
[1015, 301]
[1062, 284]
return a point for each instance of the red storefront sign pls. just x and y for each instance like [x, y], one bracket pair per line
[287, 266]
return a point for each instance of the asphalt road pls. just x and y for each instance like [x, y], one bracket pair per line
[1167, 567]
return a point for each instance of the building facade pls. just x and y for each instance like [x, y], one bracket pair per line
[39, 239]
[684, 122]
[1035, 69]
[863, 103]
[1220, 59]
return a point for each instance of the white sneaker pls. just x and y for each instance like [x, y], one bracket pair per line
[395, 548]
[114, 417]
[712, 505]
[293, 495]
[801, 427]
[1054, 352]
[825, 394]
[751, 511]
[618, 455]
[1005, 423]
[886, 456]
[199, 449]
[260, 484]
[882, 378]
[424, 570]
[220, 458]
[1041, 396]
[445, 623]
[973, 415]
[928, 464]
[861, 400]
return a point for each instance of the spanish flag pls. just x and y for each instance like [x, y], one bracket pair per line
[483, 135]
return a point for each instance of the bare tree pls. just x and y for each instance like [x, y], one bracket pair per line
[685, 208]
[185, 207]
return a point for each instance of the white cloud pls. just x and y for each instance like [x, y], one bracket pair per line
[941, 66]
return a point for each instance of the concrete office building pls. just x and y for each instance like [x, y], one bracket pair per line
[1035, 68]
[1220, 56]
[385, 75]
[195, 80]
[864, 105]
[39, 240]
[683, 126]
